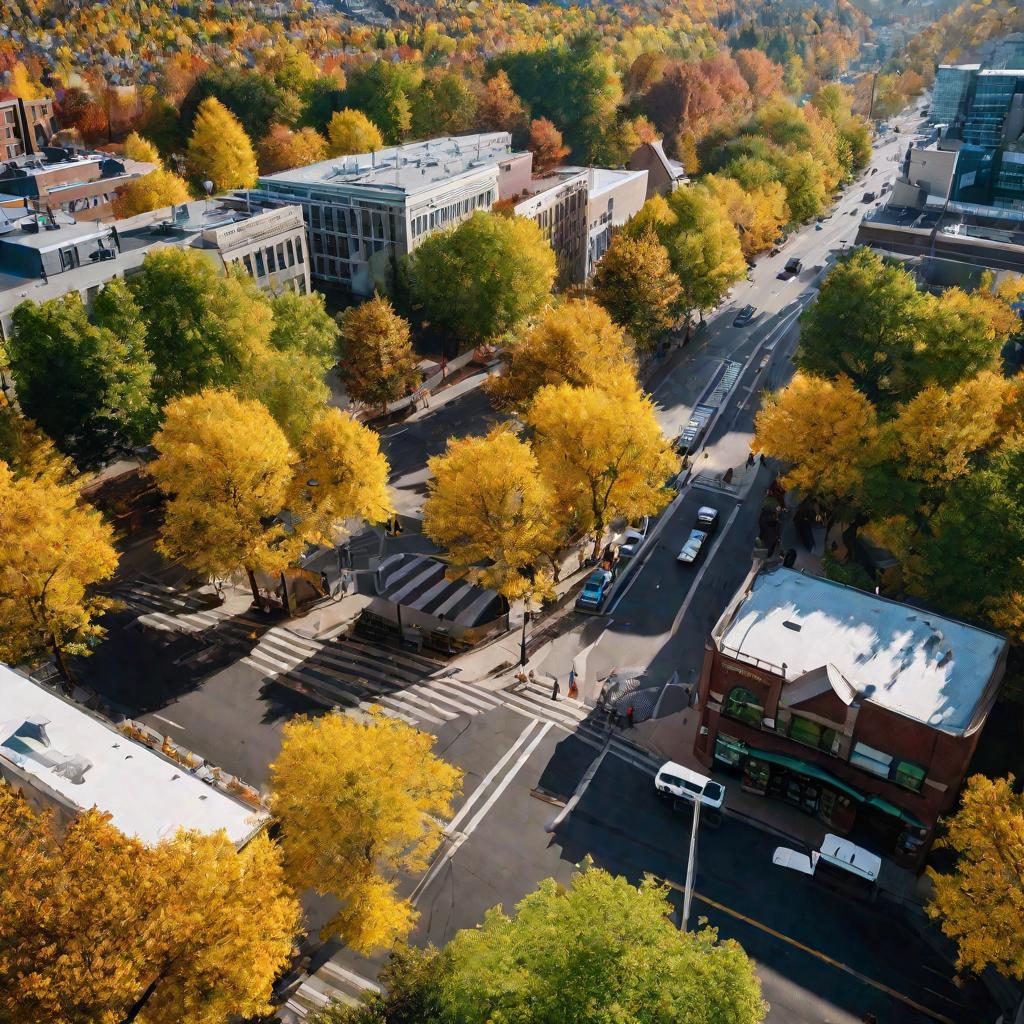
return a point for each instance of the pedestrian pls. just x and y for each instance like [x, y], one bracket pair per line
[750, 459]
[762, 459]
[629, 717]
[554, 689]
[574, 691]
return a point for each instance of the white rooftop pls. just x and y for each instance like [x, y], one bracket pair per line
[916, 663]
[90, 763]
[407, 168]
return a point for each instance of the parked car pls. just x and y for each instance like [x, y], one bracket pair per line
[839, 864]
[744, 316]
[707, 519]
[869, 197]
[677, 782]
[775, 250]
[595, 590]
[691, 435]
[634, 537]
[690, 551]
[790, 270]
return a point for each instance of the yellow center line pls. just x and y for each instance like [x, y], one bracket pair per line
[824, 957]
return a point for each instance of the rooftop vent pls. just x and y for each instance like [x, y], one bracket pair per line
[795, 626]
[73, 769]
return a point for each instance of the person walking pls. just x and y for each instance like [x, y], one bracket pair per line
[629, 717]
[574, 691]
[555, 689]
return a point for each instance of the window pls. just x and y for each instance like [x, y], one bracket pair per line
[743, 705]
[803, 730]
[728, 749]
[291, 253]
[260, 269]
[907, 774]
[67, 259]
[300, 250]
[271, 264]
[280, 256]
[874, 761]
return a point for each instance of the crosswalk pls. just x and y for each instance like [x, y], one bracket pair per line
[168, 610]
[356, 674]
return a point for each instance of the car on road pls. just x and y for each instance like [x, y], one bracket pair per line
[677, 782]
[869, 197]
[634, 537]
[690, 551]
[744, 316]
[818, 227]
[707, 519]
[790, 270]
[775, 250]
[595, 590]
[838, 863]
[691, 435]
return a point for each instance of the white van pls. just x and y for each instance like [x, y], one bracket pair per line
[838, 861]
[676, 781]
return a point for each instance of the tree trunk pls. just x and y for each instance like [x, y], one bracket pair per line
[257, 600]
[62, 666]
[596, 553]
[140, 1004]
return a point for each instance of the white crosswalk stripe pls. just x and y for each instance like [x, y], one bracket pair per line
[166, 609]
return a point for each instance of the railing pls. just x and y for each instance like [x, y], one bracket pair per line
[749, 659]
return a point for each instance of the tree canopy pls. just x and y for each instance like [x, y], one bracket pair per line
[219, 149]
[152, 191]
[483, 277]
[351, 131]
[358, 802]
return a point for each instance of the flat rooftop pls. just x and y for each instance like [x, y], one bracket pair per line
[915, 663]
[408, 168]
[90, 764]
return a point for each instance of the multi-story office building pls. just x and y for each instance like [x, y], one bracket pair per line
[953, 85]
[26, 126]
[995, 93]
[557, 203]
[80, 185]
[613, 196]
[363, 212]
[47, 256]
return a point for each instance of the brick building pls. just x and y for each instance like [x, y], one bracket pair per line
[26, 126]
[861, 711]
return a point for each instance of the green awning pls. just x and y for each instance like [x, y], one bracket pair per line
[896, 812]
[806, 768]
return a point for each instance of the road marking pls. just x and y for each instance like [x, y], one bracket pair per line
[824, 957]
[584, 783]
[471, 826]
[169, 722]
[685, 606]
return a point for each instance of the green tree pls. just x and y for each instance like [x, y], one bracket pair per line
[201, 328]
[483, 277]
[378, 364]
[635, 283]
[351, 131]
[302, 324]
[87, 384]
[383, 91]
[596, 950]
[255, 99]
[443, 105]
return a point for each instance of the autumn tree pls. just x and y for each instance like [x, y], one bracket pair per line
[483, 277]
[86, 382]
[219, 150]
[762, 75]
[596, 949]
[383, 91]
[369, 810]
[226, 468]
[546, 144]
[603, 451]
[138, 148]
[574, 342]
[55, 551]
[282, 148]
[151, 191]
[489, 508]
[444, 104]
[351, 131]
[758, 214]
[378, 364]
[201, 328]
[980, 903]
[341, 475]
[253, 99]
[826, 429]
[98, 926]
[634, 281]
[498, 108]
[26, 449]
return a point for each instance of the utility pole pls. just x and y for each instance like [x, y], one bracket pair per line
[691, 863]
[522, 643]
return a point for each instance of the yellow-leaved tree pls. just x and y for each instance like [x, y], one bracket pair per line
[342, 474]
[759, 214]
[358, 802]
[99, 927]
[136, 147]
[226, 468]
[603, 452]
[351, 131]
[219, 150]
[55, 549]
[574, 343]
[488, 506]
[826, 429]
[980, 903]
[150, 192]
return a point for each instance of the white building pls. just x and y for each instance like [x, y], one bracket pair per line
[61, 756]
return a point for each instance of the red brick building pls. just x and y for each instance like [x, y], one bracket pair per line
[861, 711]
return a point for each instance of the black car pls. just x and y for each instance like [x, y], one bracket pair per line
[744, 316]
[790, 270]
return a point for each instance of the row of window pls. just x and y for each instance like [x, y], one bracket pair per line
[448, 215]
[273, 258]
[744, 706]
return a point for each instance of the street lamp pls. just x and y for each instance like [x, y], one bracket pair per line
[522, 642]
[691, 862]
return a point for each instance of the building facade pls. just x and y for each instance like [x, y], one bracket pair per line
[59, 180]
[613, 196]
[557, 204]
[663, 175]
[364, 212]
[26, 127]
[46, 257]
[860, 711]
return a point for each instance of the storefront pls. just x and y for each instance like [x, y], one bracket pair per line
[819, 793]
